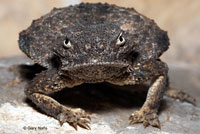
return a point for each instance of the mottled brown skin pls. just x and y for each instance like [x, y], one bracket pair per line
[103, 43]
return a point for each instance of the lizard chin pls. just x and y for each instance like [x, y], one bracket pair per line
[99, 72]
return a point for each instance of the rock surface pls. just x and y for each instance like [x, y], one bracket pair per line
[109, 106]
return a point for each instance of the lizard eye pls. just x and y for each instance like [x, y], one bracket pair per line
[67, 43]
[120, 40]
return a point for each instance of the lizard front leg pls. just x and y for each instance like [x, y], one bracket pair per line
[48, 82]
[156, 71]
[148, 113]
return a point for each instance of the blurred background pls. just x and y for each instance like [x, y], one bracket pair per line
[181, 18]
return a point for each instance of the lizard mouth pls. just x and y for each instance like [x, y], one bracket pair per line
[94, 65]
[96, 72]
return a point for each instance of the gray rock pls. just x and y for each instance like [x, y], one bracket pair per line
[109, 110]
